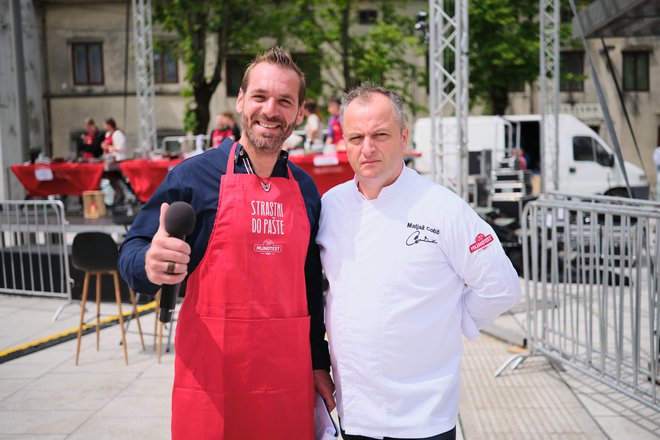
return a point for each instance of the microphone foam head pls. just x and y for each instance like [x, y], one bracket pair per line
[180, 219]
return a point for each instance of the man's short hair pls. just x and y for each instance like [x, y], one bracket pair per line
[363, 93]
[280, 58]
[111, 122]
[89, 121]
[229, 115]
[311, 106]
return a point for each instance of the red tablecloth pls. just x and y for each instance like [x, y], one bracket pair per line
[65, 178]
[326, 170]
[146, 175]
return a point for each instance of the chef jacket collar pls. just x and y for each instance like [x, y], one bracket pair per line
[387, 192]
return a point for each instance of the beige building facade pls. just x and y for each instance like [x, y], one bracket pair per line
[638, 57]
[87, 59]
[90, 72]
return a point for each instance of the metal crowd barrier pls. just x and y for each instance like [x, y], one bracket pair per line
[591, 282]
[33, 250]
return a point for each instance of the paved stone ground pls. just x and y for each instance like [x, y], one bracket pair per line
[532, 402]
[45, 396]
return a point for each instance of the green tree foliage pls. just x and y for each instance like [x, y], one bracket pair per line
[326, 30]
[504, 49]
[235, 26]
[383, 52]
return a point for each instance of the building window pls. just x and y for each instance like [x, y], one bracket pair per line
[235, 66]
[368, 16]
[636, 71]
[571, 78]
[166, 67]
[87, 63]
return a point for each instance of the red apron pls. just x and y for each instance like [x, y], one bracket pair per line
[243, 361]
[217, 136]
[108, 137]
[88, 140]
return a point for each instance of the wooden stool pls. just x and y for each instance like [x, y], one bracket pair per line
[95, 253]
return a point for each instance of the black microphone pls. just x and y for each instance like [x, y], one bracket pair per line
[179, 222]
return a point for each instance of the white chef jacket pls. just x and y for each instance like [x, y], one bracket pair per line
[118, 149]
[398, 267]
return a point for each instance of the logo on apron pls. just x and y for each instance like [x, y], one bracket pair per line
[268, 247]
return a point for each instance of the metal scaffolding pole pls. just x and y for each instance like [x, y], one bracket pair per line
[549, 79]
[448, 59]
[145, 91]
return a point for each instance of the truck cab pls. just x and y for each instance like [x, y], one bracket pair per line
[586, 164]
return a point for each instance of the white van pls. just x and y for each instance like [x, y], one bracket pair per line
[587, 165]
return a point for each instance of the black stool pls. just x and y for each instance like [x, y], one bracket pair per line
[95, 253]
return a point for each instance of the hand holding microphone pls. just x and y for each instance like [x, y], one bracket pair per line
[166, 261]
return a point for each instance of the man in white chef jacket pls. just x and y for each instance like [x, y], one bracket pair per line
[411, 268]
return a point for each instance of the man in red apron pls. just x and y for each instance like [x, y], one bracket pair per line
[244, 368]
[91, 141]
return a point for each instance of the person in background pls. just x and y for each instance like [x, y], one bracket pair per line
[220, 132]
[225, 128]
[313, 132]
[114, 144]
[250, 345]
[91, 141]
[519, 160]
[114, 149]
[411, 269]
[234, 130]
[335, 135]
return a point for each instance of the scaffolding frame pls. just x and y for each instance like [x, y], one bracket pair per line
[448, 60]
[145, 90]
[549, 82]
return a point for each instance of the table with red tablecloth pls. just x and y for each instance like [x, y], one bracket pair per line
[145, 175]
[64, 178]
[330, 170]
[327, 170]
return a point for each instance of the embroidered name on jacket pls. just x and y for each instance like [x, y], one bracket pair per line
[421, 227]
[418, 236]
[481, 242]
[267, 217]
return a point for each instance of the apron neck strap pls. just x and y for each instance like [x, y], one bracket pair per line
[231, 160]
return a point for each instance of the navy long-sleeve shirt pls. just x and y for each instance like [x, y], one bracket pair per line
[197, 181]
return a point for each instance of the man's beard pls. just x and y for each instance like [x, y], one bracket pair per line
[272, 142]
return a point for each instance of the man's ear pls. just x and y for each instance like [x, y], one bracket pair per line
[404, 138]
[239, 101]
[301, 115]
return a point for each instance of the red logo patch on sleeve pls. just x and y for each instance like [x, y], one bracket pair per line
[481, 242]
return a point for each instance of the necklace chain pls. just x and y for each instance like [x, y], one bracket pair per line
[265, 183]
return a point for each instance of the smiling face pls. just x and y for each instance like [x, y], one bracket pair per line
[375, 141]
[269, 108]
